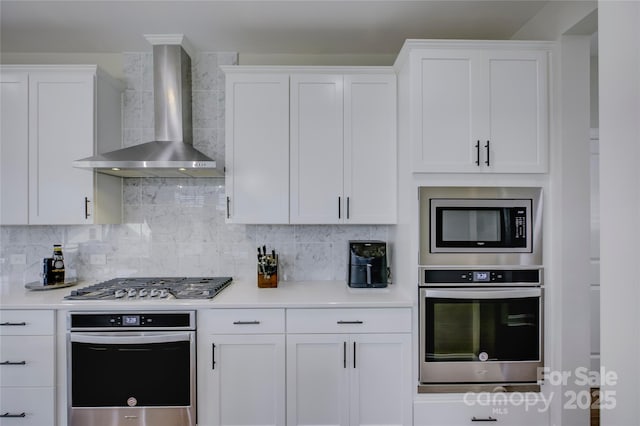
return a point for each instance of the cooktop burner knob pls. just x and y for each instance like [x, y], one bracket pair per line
[154, 292]
[164, 293]
[132, 292]
[120, 293]
[143, 292]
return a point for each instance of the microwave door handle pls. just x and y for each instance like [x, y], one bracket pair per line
[368, 273]
[483, 294]
[130, 339]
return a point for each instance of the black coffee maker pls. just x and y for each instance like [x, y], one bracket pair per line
[367, 264]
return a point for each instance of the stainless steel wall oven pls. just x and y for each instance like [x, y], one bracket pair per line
[131, 368]
[480, 327]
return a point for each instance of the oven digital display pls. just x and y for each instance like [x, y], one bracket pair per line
[131, 320]
[481, 276]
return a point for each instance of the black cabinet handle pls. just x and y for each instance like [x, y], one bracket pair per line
[488, 419]
[354, 354]
[348, 207]
[488, 160]
[478, 153]
[339, 207]
[13, 324]
[213, 356]
[228, 211]
[246, 322]
[86, 208]
[350, 322]
[13, 363]
[9, 415]
[344, 354]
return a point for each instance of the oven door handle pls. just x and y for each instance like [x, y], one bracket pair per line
[129, 339]
[493, 293]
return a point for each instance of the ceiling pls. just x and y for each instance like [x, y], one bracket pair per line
[262, 26]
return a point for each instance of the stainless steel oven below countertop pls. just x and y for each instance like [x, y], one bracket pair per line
[131, 368]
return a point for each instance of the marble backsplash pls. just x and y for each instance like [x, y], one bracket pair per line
[176, 227]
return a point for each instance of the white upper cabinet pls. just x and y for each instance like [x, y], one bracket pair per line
[257, 148]
[343, 148]
[317, 163]
[62, 113]
[311, 145]
[14, 146]
[370, 148]
[477, 107]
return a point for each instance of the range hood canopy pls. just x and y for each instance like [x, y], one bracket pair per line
[172, 153]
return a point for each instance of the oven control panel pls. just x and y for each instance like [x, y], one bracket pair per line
[131, 320]
[480, 276]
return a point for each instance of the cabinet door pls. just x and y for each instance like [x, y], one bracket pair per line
[380, 384]
[27, 406]
[61, 129]
[317, 379]
[317, 149]
[517, 112]
[370, 148]
[445, 137]
[242, 380]
[14, 148]
[257, 148]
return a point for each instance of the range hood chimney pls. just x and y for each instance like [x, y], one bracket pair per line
[171, 154]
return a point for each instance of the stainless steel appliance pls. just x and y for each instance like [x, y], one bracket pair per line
[131, 368]
[152, 288]
[367, 264]
[480, 328]
[480, 226]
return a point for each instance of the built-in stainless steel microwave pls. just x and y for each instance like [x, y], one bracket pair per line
[480, 226]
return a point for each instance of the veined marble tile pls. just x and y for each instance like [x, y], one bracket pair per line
[132, 70]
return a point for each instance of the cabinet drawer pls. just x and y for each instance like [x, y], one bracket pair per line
[30, 406]
[26, 361]
[26, 323]
[241, 321]
[475, 412]
[356, 320]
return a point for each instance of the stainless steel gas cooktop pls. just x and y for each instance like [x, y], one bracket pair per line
[152, 288]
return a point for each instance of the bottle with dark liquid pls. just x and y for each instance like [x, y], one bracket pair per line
[57, 270]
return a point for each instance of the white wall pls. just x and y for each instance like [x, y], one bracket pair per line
[619, 68]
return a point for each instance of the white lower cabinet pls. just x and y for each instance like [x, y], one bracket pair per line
[344, 378]
[27, 360]
[241, 367]
[477, 409]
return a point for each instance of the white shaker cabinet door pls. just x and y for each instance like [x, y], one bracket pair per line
[446, 112]
[61, 129]
[370, 148]
[317, 149]
[317, 380]
[14, 147]
[516, 112]
[241, 380]
[381, 379]
[257, 148]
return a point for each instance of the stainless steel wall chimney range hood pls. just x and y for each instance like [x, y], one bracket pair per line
[172, 153]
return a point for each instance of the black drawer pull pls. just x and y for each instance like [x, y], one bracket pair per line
[350, 322]
[14, 324]
[487, 419]
[246, 322]
[9, 415]
[13, 363]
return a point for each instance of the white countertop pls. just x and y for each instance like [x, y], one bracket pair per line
[239, 294]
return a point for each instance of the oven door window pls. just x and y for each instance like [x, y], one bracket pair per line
[109, 375]
[480, 329]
